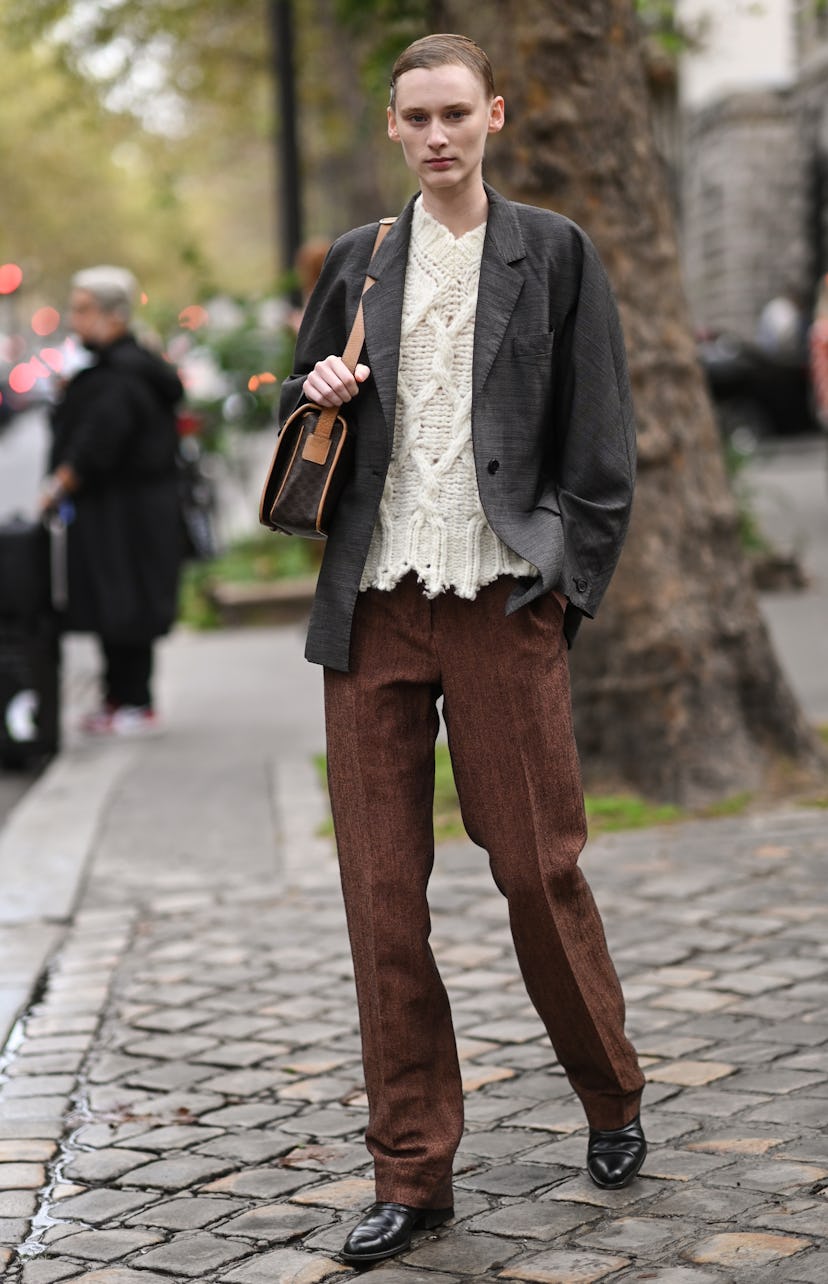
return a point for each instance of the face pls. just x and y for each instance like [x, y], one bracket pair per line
[442, 117]
[89, 321]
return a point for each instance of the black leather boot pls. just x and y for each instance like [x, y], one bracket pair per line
[385, 1230]
[615, 1155]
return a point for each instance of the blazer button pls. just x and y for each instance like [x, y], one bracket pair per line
[581, 586]
[493, 466]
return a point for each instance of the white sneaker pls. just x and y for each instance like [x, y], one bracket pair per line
[130, 721]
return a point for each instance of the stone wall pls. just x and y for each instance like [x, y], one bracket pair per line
[744, 223]
[754, 191]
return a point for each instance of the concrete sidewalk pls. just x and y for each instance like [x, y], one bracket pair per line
[237, 704]
[183, 1099]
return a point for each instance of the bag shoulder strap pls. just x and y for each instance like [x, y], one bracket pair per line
[357, 336]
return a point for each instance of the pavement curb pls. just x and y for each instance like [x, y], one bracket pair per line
[47, 838]
[45, 846]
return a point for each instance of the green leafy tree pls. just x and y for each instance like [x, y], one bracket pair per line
[181, 93]
[73, 192]
[194, 81]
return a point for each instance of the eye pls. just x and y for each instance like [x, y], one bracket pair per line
[458, 114]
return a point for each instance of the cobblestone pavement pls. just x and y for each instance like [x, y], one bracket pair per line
[184, 1100]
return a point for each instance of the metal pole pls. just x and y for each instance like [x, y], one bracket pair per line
[288, 194]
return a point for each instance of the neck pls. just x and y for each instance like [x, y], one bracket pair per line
[458, 210]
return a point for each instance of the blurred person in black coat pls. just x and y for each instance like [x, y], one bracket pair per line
[113, 472]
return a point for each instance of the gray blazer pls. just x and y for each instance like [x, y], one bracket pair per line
[552, 419]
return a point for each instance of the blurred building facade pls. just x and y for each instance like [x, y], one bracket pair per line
[748, 162]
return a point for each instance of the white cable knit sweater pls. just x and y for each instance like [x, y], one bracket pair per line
[431, 520]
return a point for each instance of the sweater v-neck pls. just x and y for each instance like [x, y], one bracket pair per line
[434, 228]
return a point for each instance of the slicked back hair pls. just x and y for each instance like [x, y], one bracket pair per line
[440, 51]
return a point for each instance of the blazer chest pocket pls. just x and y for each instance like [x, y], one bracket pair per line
[536, 346]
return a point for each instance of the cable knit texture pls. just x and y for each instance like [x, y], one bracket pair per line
[431, 520]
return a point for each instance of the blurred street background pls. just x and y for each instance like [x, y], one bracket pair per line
[125, 119]
[784, 481]
[180, 1087]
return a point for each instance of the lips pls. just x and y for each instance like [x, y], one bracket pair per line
[440, 162]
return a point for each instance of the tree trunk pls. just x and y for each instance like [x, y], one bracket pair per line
[351, 173]
[677, 690]
[339, 125]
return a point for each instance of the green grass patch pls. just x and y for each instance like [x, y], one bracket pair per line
[733, 806]
[448, 822]
[260, 559]
[320, 762]
[822, 732]
[752, 538]
[609, 812]
[194, 606]
[266, 557]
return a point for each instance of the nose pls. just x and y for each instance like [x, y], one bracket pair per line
[437, 135]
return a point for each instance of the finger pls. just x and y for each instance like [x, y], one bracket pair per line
[322, 388]
[340, 379]
[336, 376]
[361, 373]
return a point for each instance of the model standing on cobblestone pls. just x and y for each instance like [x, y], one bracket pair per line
[494, 473]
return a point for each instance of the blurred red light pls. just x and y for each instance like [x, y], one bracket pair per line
[10, 277]
[267, 377]
[253, 383]
[45, 321]
[53, 358]
[22, 378]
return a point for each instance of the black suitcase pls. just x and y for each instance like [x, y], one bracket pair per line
[29, 644]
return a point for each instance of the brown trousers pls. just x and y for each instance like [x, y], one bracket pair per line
[505, 684]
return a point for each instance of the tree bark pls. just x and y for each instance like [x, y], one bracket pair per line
[345, 146]
[677, 690]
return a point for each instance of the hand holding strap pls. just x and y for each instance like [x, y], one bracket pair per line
[353, 348]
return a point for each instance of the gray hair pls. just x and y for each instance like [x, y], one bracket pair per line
[114, 289]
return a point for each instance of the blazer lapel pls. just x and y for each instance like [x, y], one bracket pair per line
[498, 292]
[499, 288]
[382, 309]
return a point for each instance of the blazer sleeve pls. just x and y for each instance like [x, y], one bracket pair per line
[595, 464]
[326, 323]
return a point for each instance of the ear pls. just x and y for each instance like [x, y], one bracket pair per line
[497, 115]
[393, 132]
